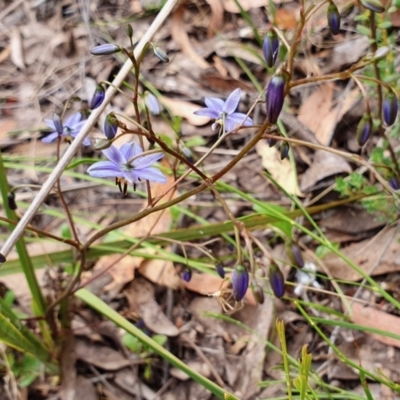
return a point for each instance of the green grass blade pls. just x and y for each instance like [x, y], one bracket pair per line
[15, 334]
[25, 261]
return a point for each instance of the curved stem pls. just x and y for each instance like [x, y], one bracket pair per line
[184, 196]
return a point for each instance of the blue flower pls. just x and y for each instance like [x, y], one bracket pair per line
[127, 165]
[70, 128]
[224, 112]
[98, 97]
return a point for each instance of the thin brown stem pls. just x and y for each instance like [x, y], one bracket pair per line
[252, 142]
[62, 199]
[43, 233]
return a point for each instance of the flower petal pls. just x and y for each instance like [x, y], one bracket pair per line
[50, 124]
[232, 102]
[104, 169]
[214, 104]
[114, 155]
[50, 138]
[75, 129]
[131, 176]
[239, 119]
[229, 125]
[129, 150]
[146, 161]
[207, 112]
[151, 174]
[87, 142]
[72, 120]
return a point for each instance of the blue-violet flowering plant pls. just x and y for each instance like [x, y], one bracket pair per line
[224, 112]
[126, 164]
[70, 128]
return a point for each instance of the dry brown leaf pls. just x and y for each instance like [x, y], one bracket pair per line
[6, 125]
[140, 295]
[185, 109]
[17, 54]
[227, 84]
[196, 365]
[318, 104]
[208, 285]
[325, 133]
[373, 318]
[220, 67]
[324, 164]
[217, 17]
[180, 36]
[231, 7]
[130, 385]
[281, 170]
[100, 356]
[122, 272]
[158, 271]
[5, 53]
[161, 272]
[231, 48]
[365, 254]
[136, 7]
[346, 53]
[353, 220]
[286, 18]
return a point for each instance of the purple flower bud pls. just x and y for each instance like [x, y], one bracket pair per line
[11, 201]
[140, 324]
[152, 103]
[271, 48]
[272, 142]
[2, 259]
[298, 258]
[275, 97]
[394, 183]
[105, 49]
[258, 293]
[240, 282]
[220, 270]
[276, 280]
[58, 124]
[110, 126]
[373, 5]
[333, 19]
[98, 97]
[187, 275]
[390, 108]
[284, 149]
[160, 54]
[364, 130]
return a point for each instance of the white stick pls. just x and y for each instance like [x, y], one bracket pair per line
[77, 142]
